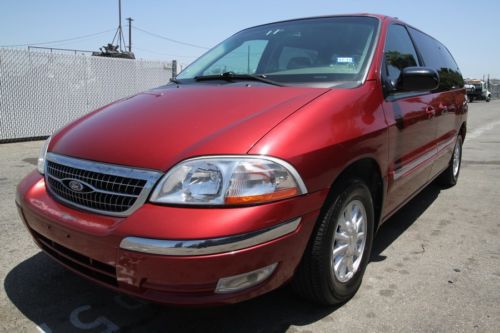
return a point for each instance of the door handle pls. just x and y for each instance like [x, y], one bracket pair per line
[430, 111]
[443, 108]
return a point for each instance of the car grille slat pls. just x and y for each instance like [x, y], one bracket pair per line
[106, 189]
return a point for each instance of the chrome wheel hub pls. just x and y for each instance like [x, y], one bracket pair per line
[349, 241]
[456, 159]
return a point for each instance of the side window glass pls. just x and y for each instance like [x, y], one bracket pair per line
[436, 56]
[450, 76]
[399, 53]
[429, 49]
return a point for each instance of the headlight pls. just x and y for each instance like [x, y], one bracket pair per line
[41, 156]
[228, 180]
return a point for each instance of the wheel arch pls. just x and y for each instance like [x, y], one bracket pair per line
[368, 170]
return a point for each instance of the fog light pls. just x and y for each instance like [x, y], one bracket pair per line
[245, 280]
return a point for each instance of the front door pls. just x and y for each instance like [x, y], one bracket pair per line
[411, 120]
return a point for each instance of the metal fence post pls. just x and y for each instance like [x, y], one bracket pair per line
[174, 68]
[1, 96]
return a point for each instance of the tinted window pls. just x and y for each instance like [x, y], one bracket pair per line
[399, 53]
[452, 78]
[436, 56]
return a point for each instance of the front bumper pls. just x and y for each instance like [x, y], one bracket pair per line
[169, 254]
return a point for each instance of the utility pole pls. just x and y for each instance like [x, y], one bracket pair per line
[120, 23]
[119, 32]
[129, 19]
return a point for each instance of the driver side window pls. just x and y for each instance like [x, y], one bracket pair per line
[399, 53]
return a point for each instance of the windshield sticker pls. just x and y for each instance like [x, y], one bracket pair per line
[344, 60]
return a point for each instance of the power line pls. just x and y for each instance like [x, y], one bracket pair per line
[74, 41]
[170, 39]
[60, 40]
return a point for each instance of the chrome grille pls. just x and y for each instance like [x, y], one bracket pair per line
[98, 187]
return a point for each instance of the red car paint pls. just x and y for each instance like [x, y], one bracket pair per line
[320, 131]
[169, 125]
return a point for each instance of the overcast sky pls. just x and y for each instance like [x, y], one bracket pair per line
[470, 29]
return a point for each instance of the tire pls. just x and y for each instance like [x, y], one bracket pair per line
[488, 99]
[449, 177]
[471, 99]
[316, 278]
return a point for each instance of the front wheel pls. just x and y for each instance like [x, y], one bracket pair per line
[333, 265]
[449, 177]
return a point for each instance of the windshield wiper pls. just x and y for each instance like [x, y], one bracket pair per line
[230, 76]
[174, 80]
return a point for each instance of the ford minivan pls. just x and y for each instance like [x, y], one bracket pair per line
[272, 159]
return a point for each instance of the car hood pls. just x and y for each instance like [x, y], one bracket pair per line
[158, 128]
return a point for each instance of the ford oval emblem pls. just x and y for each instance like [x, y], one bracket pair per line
[76, 186]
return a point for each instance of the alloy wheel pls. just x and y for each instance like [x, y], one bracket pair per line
[349, 241]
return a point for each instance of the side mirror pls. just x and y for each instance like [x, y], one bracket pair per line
[418, 79]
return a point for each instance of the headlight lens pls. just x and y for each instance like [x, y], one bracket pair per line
[41, 156]
[228, 181]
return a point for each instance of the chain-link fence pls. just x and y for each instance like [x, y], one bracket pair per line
[41, 91]
[495, 90]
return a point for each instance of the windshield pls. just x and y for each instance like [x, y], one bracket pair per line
[310, 51]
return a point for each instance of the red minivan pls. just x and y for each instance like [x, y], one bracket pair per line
[273, 158]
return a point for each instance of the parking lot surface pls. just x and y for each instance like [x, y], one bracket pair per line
[435, 267]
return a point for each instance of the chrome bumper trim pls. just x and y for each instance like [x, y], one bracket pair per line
[198, 247]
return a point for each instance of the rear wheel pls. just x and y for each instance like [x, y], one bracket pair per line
[333, 265]
[449, 177]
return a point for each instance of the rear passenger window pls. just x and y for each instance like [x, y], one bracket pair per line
[435, 55]
[399, 53]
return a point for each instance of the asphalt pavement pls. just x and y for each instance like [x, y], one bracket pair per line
[435, 267]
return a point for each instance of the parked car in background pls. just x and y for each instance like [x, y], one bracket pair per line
[273, 158]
